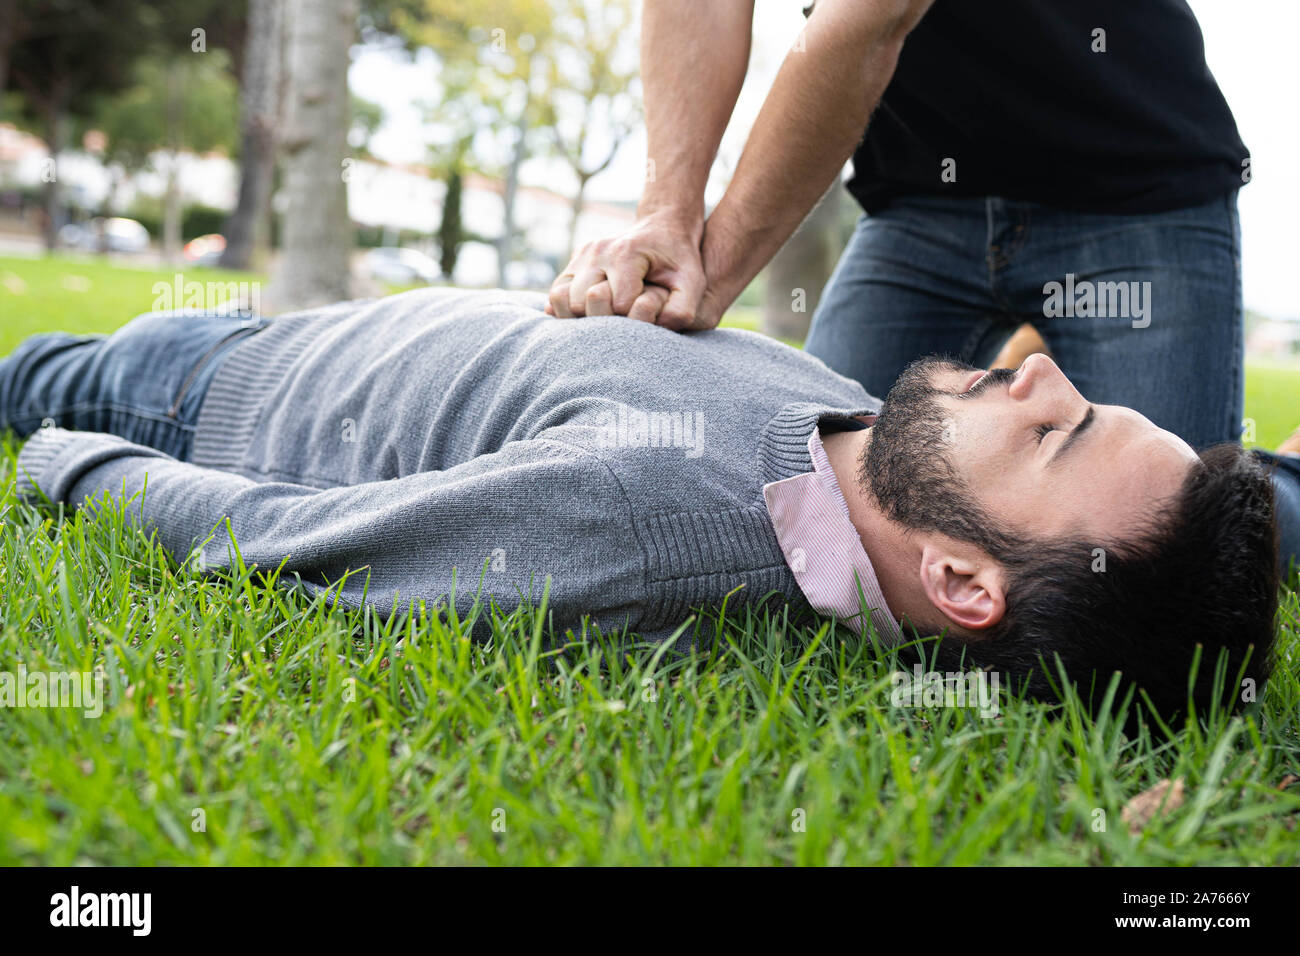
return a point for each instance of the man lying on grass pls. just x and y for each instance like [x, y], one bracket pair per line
[449, 445]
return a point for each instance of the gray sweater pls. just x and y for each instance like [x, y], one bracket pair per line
[448, 445]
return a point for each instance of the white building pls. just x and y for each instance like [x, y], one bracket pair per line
[380, 195]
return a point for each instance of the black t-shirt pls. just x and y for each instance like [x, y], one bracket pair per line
[1018, 95]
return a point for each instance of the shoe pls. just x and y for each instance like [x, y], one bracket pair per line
[1291, 446]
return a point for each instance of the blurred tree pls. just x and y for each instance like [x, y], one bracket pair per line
[179, 102]
[263, 88]
[504, 46]
[393, 21]
[457, 119]
[794, 279]
[451, 231]
[263, 81]
[10, 27]
[317, 231]
[594, 88]
[64, 54]
[366, 118]
[260, 108]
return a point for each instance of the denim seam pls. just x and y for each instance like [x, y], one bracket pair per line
[110, 406]
[993, 262]
[204, 361]
[1236, 426]
[981, 328]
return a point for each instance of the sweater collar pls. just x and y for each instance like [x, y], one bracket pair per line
[807, 509]
[783, 442]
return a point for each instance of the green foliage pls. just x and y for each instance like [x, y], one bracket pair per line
[370, 237]
[69, 54]
[451, 232]
[196, 219]
[184, 101]
[594, 81]
[366, 118]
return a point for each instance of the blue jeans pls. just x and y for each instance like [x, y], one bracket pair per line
[145, 382]
[956, 276]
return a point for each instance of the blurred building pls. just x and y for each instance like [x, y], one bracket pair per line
[397, 199]
[1275, 339]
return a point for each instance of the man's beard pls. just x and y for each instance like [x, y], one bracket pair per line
[907, 466]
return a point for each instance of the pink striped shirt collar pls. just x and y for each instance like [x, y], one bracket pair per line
[823, 549]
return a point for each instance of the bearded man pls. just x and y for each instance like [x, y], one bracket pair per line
[464, 447]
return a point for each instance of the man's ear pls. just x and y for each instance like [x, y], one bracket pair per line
[966, 585]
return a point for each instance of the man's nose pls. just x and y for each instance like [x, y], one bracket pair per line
[1040, 377]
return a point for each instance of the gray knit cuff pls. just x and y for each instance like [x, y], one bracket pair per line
[42, 462]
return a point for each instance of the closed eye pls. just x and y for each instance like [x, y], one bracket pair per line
[1042, 431]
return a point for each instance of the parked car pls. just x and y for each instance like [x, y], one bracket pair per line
[205, 250]
[101, 234]
[399, 266]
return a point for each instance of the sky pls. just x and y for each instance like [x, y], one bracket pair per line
[1249, 45]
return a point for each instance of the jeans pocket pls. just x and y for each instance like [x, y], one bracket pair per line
[243, 332]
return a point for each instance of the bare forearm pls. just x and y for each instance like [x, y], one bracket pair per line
[693, 61]
[810, 124]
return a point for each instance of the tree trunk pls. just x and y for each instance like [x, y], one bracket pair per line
[171, 237]
[796, 274]
[56, 129]
[314, 268]
[174, 136]
[505, 245]
[579, 200]
[116, 180]
[259, 112]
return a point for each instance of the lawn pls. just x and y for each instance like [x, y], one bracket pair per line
[248, 723]
[1272, 402]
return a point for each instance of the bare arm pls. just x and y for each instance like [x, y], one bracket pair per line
[693, 61]
[694, 57]
[810, 124]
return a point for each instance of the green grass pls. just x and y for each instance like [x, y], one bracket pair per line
[1272, 402]
[83, 295]
[300, 733]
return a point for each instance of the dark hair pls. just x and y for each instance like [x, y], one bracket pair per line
[1203, 574]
